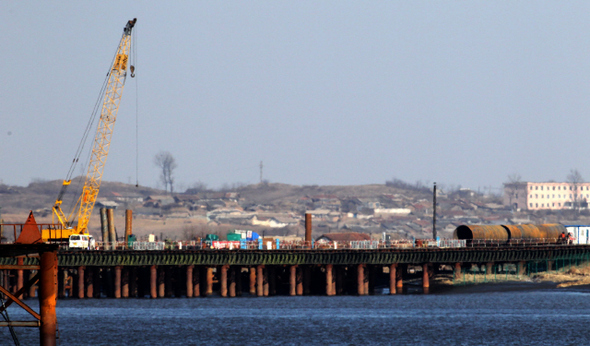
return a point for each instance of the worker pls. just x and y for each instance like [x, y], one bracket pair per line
[562, 238]
[570, 238]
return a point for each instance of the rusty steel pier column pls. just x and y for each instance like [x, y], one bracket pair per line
[260, 281]
[117, 282]
[272, 281]
[238, 274]
[307, 280]
[81, 282]
[124, 282]
[133, 282]
[112, 232]
[252, 280]
[360, 279]
[153, 282]
[89, 282]
[329, 280]
[308, 229]
[33, 288]
[293, 280]
[104, 226]
[223, 279]
[189, 281]
[425, 278]
[232, 282]
[265, 287]
[489, 268]
[47, 298]
[19, 276]
[209, 283]
[521, 268]
[197, 281]
[399, 279]
[128, 227]
[392, 278]
[367, 271]
[458, 273]
[339, 281]
[299, 278]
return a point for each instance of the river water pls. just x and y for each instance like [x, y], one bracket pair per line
[503, 316]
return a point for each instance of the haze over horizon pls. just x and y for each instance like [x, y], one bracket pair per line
[324, 93]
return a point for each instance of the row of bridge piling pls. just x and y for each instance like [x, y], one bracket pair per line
[234, 281]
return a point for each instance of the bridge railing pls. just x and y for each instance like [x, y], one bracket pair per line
[331, 245]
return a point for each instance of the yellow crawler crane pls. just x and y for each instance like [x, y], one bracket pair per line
[112, 97]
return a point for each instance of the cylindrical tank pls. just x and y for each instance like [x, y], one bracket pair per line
[509, 232]
[551, 230]
[493, 232]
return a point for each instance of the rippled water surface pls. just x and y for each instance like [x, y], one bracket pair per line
[534, 317]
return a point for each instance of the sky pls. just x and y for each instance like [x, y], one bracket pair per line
[322, 92]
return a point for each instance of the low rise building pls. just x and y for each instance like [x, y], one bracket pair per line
[546, 196]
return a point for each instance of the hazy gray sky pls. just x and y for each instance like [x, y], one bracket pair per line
[324, 92]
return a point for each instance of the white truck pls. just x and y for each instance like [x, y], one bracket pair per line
[81, 241]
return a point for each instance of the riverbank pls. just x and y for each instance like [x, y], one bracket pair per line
[577, 277]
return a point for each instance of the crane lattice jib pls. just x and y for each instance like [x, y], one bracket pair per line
[102, 141]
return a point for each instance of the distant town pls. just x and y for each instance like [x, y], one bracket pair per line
[395, 210]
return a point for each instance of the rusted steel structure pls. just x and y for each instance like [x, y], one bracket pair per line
[43, 276]
[509, 233]
[231, 273]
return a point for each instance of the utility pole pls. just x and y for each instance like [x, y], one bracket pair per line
[261, 166]
[434, 212]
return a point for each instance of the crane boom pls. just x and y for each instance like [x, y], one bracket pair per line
[100, 150]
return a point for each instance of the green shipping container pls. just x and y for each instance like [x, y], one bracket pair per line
[234, 236]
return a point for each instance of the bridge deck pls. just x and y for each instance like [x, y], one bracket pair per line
[303, 257]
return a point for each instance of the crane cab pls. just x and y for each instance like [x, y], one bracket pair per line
[82, 241]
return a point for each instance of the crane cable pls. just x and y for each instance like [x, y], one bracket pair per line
[84, 140]
[134, 63]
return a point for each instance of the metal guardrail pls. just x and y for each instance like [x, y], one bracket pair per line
[332, 245]
[146, 245]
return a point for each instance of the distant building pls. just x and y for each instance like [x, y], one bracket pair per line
[546, 196]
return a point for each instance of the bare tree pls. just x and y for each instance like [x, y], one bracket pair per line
[574, 178]
[166, 162]
[511, 187]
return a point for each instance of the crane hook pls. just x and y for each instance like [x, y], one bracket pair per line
[132, 69]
